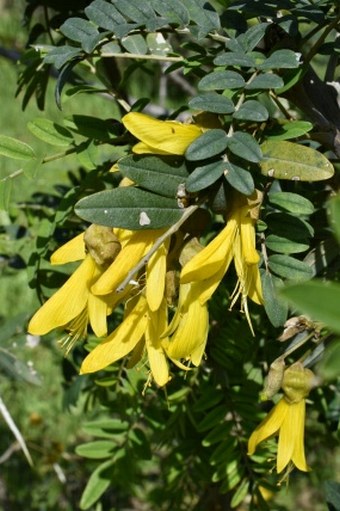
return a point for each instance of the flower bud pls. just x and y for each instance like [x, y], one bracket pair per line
[101, 244]
[274, 379]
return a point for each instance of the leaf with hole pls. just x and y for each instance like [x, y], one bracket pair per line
[129, 208]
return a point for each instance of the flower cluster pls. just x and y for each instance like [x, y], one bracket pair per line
[110, 274]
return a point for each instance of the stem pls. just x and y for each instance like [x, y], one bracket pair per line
[321, 40]
[138, 56]
[188, 212]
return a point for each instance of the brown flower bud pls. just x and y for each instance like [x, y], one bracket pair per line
[297, 382]
[274, 379]
[101, 244]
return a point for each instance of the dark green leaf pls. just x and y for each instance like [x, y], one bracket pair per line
[159, 175]
[289, 267]
[329, 366]
[290, 226]
[82, 31]
[251, 111]
[13, 148]
[135, 43]
[212, 102]
[318, 299]
[91, 127]
[240, 179]
[235, 59]
[220, 80]
[104, 14]
[206, 19]
[285, 245]
[245, 146]
[276, 308]
[265, 81]
[287, 160]
[141, 13]
[204, 176]
[332, 489]
[129, 208]
[281, 59]
[240, 493]
[292, 202]
[50, 132]
[212, 418]
[254, 35]
[60, 55]
[211, 143]
[173, 11]
[334, 209]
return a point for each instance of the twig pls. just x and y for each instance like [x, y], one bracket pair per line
[12, 426]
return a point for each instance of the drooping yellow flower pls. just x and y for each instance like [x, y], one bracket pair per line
[73, 306]
[287, 419]
[160, 137]
[188, 331]
[141, 328]
[235, 242]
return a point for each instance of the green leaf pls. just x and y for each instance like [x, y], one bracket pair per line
[142, 13]
[96, 450]
[265, 81]
[292, 202]
[276, 308]
[212, 418]
[239, 178]
[330, 363]
[291, 129]
[60, 55]
[105, 428]
[98, 483]
[220, 80]
[157, 44]
[104, 14]
[50, 132]
[332, 490]
[206, 19]
[212, 102]
[251, 111]
[289, 226]
[5, 193]
[129, 208]
[287, 59]
[285, 245]
[91, 127]
[82, 31]
[173, 11]
[289, 267]
[13, 148]
[235, 59]
[318, 299]
[204, 176]
[254, 35]
[159, 175]
[240, 493]
[211, 143]
[287, 160]
[334, 210]
[135, 44]
[245, 146]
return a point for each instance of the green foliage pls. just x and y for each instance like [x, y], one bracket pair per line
[269, 133]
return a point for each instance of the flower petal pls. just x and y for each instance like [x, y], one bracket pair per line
[130, 255]
[156, 354]
[162, 136]
[155, 277]
[122, 340]
[97, 310]
[269, 426]
[209, 260]
[73, 250]
[67, 303]
[247, 232]
[291, 437]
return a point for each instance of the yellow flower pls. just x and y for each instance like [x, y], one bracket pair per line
[188, 328]
[287, 419]
[235, 242]
[140, 328]
[160, 137]
[73, 306]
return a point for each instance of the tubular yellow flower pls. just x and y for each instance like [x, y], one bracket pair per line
[188, 328]
[73, 306]
[160, 137]
[235, 241]
[287, 419]
[140, 327]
